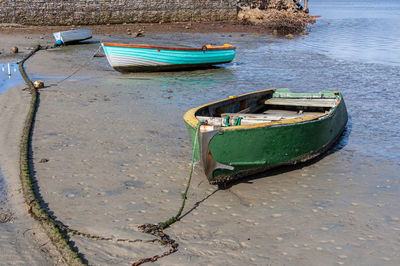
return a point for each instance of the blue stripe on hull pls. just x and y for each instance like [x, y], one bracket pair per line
[173, 56]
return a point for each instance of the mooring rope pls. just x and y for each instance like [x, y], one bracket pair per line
[157, 229]
[54, 228]
[79, 68]
[32, 203]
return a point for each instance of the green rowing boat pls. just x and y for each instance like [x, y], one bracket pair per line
[251, 133]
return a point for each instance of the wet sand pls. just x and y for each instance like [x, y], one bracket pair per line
[22, 240]
[117, 155]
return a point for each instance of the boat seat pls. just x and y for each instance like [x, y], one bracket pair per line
[220, 121]
[270, 117]
[326, 103]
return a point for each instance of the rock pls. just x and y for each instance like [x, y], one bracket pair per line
[14, 50]
[289, 36]
[38, 84]
[44, 160]
[138, 34]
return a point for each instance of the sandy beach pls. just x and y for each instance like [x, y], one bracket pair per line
[111, 152]
[22, 240]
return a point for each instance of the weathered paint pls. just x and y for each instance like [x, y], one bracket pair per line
[254, 148]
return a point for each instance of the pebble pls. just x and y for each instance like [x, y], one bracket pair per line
[386, 258]
[70, 195]
[324, 228]
[284, 253]
[279, 238]
[14, 50]
[319, 248]
[340, 262]
[354, 204]
[142, 211]
[342, 256]
[338, 248]
[38, 84]
[276, 215]
[164, 191]
[244, 245]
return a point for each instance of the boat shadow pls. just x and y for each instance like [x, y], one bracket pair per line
[339, 144]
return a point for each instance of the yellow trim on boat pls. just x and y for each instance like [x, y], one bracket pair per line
[221, 46]
[191, 119]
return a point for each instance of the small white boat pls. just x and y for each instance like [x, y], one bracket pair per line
[72, 36]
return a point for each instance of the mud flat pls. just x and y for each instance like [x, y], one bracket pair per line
[111, 152]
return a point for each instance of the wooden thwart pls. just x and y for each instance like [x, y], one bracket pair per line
[329, 103]
[219, 121]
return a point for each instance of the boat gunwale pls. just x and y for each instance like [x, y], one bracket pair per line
[191, 119]
[145, 46]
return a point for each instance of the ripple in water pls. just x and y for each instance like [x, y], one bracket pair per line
[362, 30]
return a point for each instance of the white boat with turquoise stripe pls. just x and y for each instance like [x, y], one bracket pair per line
[137, 58]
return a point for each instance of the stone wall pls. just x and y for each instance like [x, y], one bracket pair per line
[265, 4]
[84, 12]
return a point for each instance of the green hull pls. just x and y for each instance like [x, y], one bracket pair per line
[245, 151]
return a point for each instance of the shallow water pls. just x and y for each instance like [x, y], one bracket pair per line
[357, 30]
[118, 152]
[9, 75]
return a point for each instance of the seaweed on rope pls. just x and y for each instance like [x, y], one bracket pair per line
[56, 230]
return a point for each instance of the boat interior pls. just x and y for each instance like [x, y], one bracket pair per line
[263, 108]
